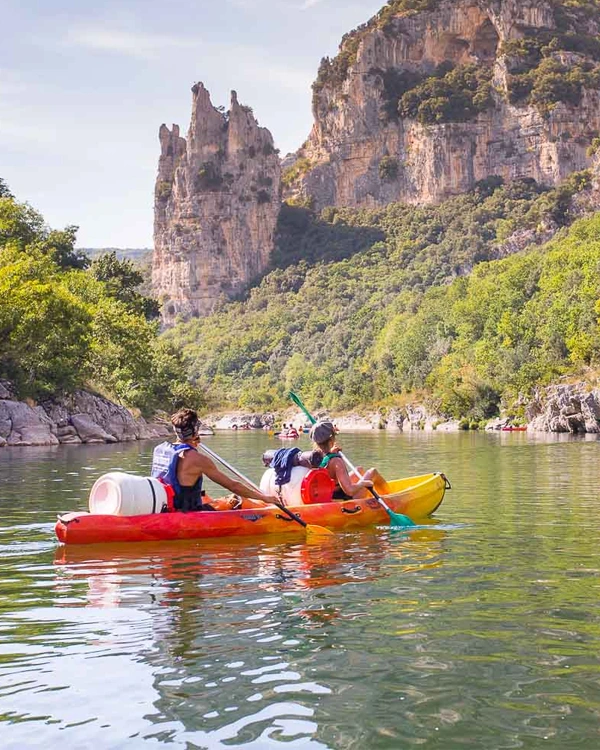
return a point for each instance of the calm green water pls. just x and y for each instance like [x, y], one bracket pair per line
[480, 632]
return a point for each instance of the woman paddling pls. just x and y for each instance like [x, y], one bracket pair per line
[323, 436]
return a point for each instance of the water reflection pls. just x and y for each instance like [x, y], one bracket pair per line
[270, 565]
[237, 625]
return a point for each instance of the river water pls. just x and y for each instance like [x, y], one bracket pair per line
[480, 631]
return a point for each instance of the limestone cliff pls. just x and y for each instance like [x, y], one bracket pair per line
[431, 96]
[569, 407]
[217, 198]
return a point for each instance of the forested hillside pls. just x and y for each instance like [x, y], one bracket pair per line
[372, 307]
[360, 308]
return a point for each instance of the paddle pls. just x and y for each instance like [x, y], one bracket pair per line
[396, 519]
[310, 528]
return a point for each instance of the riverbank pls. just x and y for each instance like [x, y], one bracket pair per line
[563, 408]
[79, 418]
[84, 418]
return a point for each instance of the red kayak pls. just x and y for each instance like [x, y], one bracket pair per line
[417, 497]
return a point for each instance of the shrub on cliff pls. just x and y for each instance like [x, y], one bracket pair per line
[263, 196]
[541, 74]
[208, 177]
[395, 84]
[163, 191]
[388, 168]
[552, 82]
[300, 167]
[457, 95]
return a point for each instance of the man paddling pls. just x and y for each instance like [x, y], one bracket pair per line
[181, 466]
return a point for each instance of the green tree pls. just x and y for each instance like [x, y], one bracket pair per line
[44, 329]
[20, 224]
[122, 280]
[4, 190]
[60, 246]
[63, 326]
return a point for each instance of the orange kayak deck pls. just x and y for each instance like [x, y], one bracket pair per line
[416, 497]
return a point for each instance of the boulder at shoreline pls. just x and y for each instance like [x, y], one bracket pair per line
[80, 417]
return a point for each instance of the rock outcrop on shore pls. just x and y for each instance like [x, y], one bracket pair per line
[80, 417]
[573, 408]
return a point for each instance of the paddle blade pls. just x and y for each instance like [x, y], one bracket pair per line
[298, 401]
[398, 521]
[315, 531]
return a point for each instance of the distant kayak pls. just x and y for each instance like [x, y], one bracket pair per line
[514, 429]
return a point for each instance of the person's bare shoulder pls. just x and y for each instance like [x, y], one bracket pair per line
[193, 458]
[337, 463]
[200, 460]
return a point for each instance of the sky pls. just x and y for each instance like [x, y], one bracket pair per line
[84, 88]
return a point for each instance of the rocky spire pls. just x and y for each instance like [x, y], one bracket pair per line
[217, 199]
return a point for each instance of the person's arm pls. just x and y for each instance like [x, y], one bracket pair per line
[210, 470]
[343, 478]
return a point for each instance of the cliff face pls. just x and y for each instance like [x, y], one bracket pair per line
[217, 198]
[573, 408]
[390, 121]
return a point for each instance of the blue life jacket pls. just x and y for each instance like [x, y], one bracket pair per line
[164, 465]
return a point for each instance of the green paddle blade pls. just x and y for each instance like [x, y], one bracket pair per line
[397, 520]
[298, 401]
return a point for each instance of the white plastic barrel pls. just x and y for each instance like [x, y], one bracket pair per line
[121, 494]
[290, 491]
